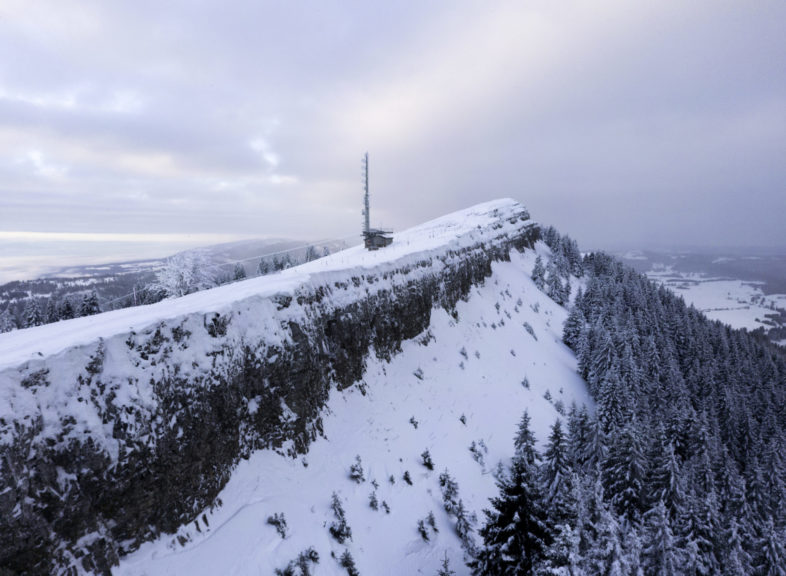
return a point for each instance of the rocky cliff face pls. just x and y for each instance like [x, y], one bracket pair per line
[107, 444]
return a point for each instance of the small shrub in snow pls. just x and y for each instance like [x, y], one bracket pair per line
[559, 406]
[512, 352]
[418, 374]
[431, 521]
[477, 454]
[464, 528]
[280, 522]
[477, 354]
[525, 382]
[301, 566]
[463, 352]
[449, 489]
[385, 507]
[305, 558]
[375, 484]
[392, 479]
[218, 325]
[339, 529]
[444, 569]
[372, 501]
[530, 330]
[463, 419]
[427, 338]
[426, 526]
[547, 396]
[356, 471]
[348, 562]
[407, 477]
[413, 422]
[422, 530]
[425, 457]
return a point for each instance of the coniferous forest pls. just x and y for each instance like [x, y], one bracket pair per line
[681, 469]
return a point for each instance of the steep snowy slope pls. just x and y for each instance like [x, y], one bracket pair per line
[470, 365]
[118, 428]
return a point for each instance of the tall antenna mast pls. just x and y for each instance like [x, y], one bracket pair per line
[366, 222]
[373, 238]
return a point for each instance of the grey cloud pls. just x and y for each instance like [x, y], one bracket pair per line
[618, 122]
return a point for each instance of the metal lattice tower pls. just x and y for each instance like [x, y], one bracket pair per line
[372, 237]
[366, 215]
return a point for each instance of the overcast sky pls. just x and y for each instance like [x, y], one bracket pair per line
[622, 123]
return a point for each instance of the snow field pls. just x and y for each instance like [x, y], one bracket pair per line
[737, 303]
[471, 366]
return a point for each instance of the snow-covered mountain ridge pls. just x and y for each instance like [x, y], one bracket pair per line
[489, 222]
[115, 428]
[457, 391]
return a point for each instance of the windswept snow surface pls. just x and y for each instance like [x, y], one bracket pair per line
[472, 366]
[451, 231]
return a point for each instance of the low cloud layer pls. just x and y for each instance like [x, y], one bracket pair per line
[621, 123]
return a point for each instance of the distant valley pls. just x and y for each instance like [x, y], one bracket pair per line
[742, 288]
[123, 284]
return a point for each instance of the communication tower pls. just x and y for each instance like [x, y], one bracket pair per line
[374, 239]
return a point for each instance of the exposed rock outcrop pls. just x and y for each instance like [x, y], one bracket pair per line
[114, 442]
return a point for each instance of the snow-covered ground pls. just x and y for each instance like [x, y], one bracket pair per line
[465, 381]
[738, 303]
[473, 367]
[451, 231]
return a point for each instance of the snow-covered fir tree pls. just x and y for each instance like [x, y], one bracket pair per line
[51, 314]
[33, 315]
[66, 309]
[7, 322]
[239, 273]
[339, 528]
[89, 304]
[185, 273]
[264, 267]
[539, 273]
[515, 534]
[524, 442]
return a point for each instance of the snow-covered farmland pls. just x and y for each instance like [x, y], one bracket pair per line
[738, 303]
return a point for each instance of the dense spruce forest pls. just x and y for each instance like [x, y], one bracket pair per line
[681, 469]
